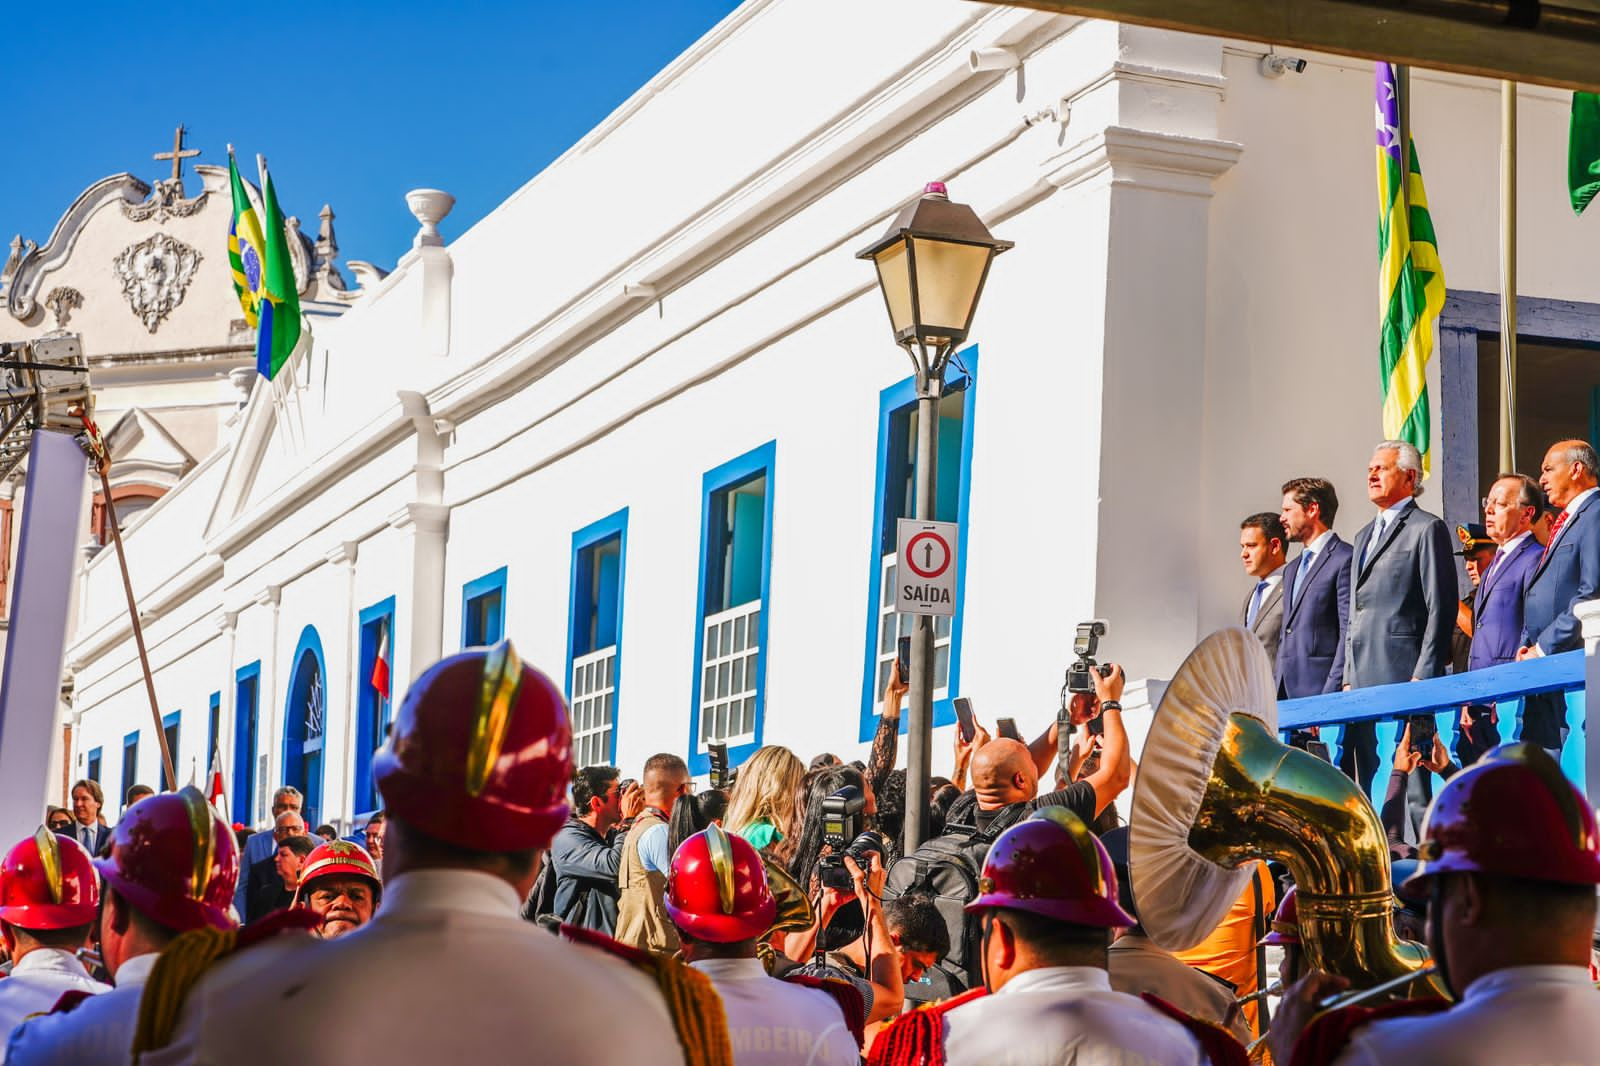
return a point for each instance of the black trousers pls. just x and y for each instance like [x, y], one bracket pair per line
[1544, 721]
[1358, 757]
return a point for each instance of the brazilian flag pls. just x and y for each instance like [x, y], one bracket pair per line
[245, 247]
[278, 309]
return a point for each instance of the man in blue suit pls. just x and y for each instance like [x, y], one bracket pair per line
[1316, 595]
[1509, 510]
[1567, 572]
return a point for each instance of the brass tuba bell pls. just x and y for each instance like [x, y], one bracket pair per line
[1217, 789]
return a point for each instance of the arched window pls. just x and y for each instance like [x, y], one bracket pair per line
[305, 721]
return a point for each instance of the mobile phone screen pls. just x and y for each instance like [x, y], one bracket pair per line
[1007, 727]
[964, 720]
[903, 660]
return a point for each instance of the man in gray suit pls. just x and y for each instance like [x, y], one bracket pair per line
[1262, 543]
[1403, 596]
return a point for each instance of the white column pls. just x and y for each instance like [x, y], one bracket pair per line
[337, 785]
[429, 524]
[269, 713]
[1588, 614]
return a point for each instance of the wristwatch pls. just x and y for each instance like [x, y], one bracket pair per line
[1110, 705]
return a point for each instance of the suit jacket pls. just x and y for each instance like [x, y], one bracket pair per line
[1568, 572]
[101, 834]
[1269, 618]
[1311, 643]
[1402, 602]
[259, 848]
[1497, 608]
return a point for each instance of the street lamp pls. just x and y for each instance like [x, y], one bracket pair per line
[932, 264]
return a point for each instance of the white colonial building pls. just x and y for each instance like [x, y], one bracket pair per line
[646, 419]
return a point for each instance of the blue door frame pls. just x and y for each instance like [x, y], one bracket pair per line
[305, 717]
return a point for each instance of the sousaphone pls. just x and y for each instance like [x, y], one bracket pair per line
[1217, 789]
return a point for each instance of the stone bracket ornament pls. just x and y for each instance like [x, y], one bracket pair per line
[155, 273]
[166, 201]
[62, 301]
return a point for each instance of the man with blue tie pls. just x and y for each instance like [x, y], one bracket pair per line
[1403, 596]
[1509, 510]
[1261, 548]
[1316, 595]
[1567, 572]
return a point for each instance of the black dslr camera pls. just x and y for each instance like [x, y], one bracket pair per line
[1084, 646]
[842, 832]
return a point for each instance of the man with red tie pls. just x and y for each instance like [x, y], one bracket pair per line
[1567, 572]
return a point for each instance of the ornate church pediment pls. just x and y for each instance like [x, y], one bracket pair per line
[155, 273]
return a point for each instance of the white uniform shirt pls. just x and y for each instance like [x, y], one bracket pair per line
[97, 1030]
[37, 981]
[445, 973]
[775, 1023]
[1064, 1016]
[1522, 1014]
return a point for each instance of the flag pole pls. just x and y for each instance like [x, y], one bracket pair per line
[1508, 275]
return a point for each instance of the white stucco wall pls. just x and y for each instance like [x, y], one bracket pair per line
[1186, 321]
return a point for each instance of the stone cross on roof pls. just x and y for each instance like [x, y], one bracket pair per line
[177, 155]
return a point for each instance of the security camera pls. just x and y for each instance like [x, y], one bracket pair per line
[1276, 66]
[985, 59]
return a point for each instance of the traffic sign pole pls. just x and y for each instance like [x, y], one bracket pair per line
[919, 727]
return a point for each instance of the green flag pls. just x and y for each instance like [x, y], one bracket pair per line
[278, 330]
[1583, 150]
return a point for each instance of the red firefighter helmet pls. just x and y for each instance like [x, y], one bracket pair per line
[175, 861]
[481, 754]
[338, 858]
[1285, 924]
[718, 889]
[1052, 866]
[1510, 814]
[48, 882]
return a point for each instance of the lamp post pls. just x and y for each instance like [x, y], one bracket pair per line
[932, 264]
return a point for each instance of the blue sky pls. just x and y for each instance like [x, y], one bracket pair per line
[353, 103]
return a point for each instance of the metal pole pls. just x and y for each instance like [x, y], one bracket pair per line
[919, 727]
[1508, 275]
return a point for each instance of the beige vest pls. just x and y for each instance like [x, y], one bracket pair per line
[642, 920]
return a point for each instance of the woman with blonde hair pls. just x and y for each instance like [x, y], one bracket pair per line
[762, 808]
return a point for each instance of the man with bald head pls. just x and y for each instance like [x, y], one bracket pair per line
[1006, 772]
[1567, 572]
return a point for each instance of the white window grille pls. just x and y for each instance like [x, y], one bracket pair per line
[893, 625]
[594, 689]
[728, 678]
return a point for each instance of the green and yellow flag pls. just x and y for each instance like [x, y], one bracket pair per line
[1410, 280]
[278, 309]
[245, 246]
[1583, 150]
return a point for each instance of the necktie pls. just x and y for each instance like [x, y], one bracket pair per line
[1307, 557]
[1555, 531]
[1255, 603]
[1377, 538]
[84, 838]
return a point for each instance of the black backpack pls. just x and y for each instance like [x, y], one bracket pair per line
[946, 868]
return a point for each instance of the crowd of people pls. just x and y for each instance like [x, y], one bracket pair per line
[508, 904]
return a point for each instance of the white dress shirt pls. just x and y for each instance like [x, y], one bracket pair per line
[1064, 1016]
[1522, 1014]
[1503, 552]
[446, 972]
[37, 981]
[99, 1029]
[775, 1023]
[1385, 521]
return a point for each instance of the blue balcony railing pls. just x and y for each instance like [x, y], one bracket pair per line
[1444, 697]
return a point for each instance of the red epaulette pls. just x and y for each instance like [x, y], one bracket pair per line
[1221, 1047]
[1324, 1039]
[288, 920]
[69, 1000]
[594, 939]
[847, 995]
[916, 1038]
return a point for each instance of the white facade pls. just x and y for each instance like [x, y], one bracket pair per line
[1187, 320]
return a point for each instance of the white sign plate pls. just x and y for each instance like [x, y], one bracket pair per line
[925, 578]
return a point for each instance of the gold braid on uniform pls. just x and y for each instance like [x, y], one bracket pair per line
[180, 965]
[691, 999]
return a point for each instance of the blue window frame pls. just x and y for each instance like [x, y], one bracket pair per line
[305, 717]
[213, 731]
[483, 610]
[373, 707]
[732, 608]
[594, 637]
[130, 764]
[894, 498]
[170, 725]
[93, 772]
[246, 722]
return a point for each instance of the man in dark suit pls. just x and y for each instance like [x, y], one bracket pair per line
[1316, 596]
[87, 828]
[1403, 596]
[1261, 549]
[1509, 510]
[1567, 572]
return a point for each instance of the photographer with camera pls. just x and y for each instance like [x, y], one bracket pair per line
[840, 864]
